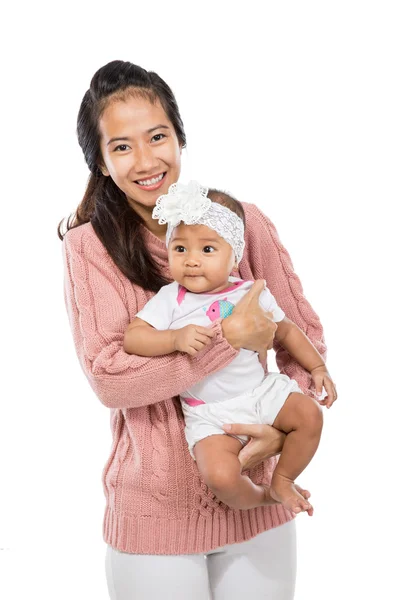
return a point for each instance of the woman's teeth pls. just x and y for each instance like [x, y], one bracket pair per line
[151, 181]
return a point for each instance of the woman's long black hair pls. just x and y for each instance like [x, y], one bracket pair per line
[115, 222]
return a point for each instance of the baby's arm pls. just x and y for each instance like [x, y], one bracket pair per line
[143, 339]
[149, 333]
[291, 337]
[298, 345]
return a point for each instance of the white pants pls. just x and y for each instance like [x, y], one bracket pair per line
[263, 567]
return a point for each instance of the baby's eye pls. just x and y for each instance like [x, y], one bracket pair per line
[212, 249]
[179, 247]
[159, 136]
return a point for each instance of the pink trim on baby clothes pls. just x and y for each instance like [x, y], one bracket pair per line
[182, 290]
[181, 294]
[193, 401]
[235, 285]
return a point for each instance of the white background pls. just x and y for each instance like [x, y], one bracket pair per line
[291, 105]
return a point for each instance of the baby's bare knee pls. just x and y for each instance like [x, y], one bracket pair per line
[311, 413]
[218, 464]
[221, 477]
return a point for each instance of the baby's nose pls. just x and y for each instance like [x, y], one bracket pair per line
[192, 262]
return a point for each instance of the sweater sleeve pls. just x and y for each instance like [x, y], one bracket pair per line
[271, 261]
[98, 312]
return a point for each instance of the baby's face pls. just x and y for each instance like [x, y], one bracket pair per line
[199, 258]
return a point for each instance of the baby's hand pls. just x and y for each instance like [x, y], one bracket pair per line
[192, 338]
[322, 379]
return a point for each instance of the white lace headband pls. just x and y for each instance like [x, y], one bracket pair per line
[189, 204]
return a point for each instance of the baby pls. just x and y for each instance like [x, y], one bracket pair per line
[205, 240]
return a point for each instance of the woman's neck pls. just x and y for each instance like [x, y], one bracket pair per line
[151, 224]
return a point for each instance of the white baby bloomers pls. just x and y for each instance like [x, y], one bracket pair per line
[239, 393]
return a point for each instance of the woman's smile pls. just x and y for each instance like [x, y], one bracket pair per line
[152, 183]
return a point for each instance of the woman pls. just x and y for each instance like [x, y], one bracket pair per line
[160, 517]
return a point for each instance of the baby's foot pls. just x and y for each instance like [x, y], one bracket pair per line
[269, 499]
[292, 496]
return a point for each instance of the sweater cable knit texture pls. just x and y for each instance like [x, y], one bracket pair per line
[156, 502]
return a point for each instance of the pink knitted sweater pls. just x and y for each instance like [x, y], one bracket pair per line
[156, 502]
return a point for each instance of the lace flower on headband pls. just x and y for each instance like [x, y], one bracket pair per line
[185, 203]
[189, 204]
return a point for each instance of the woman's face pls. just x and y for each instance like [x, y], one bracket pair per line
[140, 150]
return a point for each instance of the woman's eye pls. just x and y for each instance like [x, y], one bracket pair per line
[121, 147]
[212, 249]
[159, 136]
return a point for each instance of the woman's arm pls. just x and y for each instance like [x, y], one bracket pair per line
[100, 311]
[269, 259]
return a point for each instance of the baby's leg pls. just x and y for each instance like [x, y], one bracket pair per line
[301, 419]
[220, 468]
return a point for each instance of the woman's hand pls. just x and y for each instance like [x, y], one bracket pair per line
[265, 441]
[250, 326]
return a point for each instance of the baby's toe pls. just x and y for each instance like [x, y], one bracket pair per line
[305, 493]
[301, 505]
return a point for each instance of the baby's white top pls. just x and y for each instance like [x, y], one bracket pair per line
[174, 307]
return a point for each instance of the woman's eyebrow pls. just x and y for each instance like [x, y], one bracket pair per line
[127, 139]
[157, 127]
[118, 139]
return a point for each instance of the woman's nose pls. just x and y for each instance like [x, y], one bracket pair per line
[145, 160]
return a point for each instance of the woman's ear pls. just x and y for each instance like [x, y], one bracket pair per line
[104, 170]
